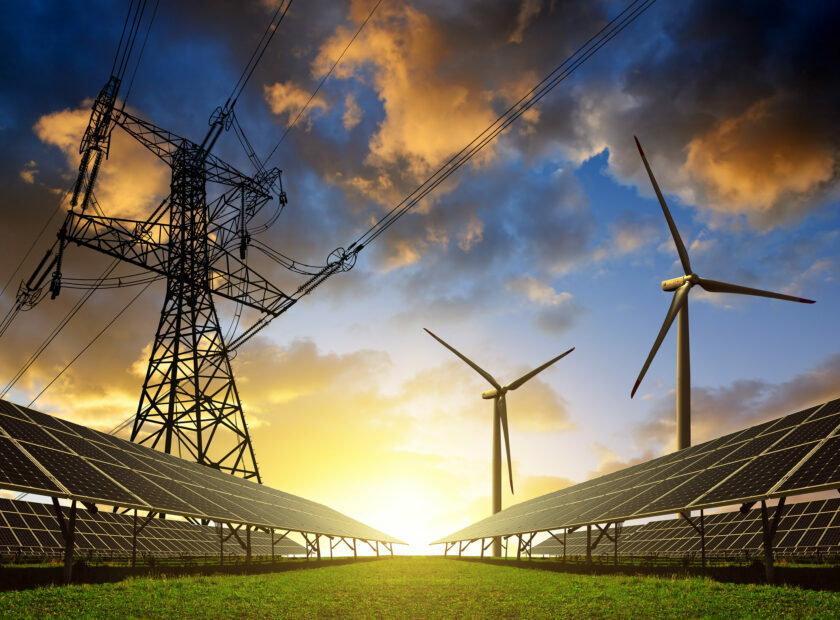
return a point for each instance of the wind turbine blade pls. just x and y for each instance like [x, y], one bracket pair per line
[536, 371]
[502, 405]
[674, 232]
[713, 286]
[679, 300]
[469, 362]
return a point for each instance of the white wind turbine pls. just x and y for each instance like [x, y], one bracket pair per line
[499, 420]
[679, 307]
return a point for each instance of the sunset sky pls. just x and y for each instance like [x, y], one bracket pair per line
[551, 239]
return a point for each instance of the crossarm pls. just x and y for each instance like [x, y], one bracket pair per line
[164, 144]
[145, 245]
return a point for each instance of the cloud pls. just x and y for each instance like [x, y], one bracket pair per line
[30, 169]
[770, 162]
[131, 182]
[528, 10]
[427, 117]
[743, 403]
[290, 99]
[352, 112]
[557, 312]
[610, 461]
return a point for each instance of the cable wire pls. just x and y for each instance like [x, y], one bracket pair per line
[89, 344]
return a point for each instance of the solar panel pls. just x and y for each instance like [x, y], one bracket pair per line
[49, 456]
[794, 454]
[107, 534]
[802, 531]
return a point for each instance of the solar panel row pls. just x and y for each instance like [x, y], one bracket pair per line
[31, 528]
[805, 528]
[795, 454]
[48, 456]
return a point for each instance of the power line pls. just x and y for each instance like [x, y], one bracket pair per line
[56, 330]
[89, 344]
[35, 242]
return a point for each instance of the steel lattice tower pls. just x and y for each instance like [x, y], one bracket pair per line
[189, 393]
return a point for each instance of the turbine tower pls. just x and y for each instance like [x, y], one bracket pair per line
[499, 420]
[679, 307]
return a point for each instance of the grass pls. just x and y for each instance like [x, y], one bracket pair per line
[418, 588]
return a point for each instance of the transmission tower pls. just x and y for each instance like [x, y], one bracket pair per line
[189, 402]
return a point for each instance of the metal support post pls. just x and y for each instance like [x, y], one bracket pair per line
[247, 545]
[589, 545]
[68, 532]
[318, 546]
[355, 555]
[769, 533]
[518, 547]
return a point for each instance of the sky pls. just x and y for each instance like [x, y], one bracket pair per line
[552, 238]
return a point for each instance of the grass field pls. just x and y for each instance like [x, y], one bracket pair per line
[418, 587]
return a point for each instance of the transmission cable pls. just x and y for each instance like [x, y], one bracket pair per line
[140, 55]
[61, 325]
[89, 344]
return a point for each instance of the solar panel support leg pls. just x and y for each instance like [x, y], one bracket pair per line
[68, 532]
[769, 533]
[377, 548]
[355, 555]
[589, 545]
[700, 529]
[318, 545]
[247, 545]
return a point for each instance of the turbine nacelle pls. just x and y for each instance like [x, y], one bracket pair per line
[674, 283]
[488, 394]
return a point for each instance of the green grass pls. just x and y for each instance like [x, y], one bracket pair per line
[418, 587]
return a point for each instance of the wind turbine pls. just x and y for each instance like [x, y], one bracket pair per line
[499, 419]
[679, 307]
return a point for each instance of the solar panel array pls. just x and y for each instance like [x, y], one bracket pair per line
[806, 528]
[31, 529]
[795, 454]
[48, 456]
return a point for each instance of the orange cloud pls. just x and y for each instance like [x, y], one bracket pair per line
[763, 163]
[131, 182]
[286, 98]
[428, 117]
